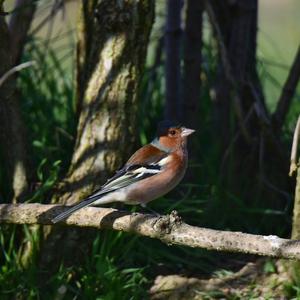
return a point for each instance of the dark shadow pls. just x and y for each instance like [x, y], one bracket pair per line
[46, 217]
[88, 179]
[90, 152]
[4, 210]
[289, 245]
[109, 220]
[106, 222]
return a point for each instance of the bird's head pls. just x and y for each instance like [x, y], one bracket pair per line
[171, 135]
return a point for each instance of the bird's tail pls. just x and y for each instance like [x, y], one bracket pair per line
[81, 204]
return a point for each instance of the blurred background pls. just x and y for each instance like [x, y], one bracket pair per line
[229, 70]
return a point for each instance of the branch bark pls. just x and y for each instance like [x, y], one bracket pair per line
[169, 229]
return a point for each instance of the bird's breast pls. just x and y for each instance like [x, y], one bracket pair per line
[157, 185]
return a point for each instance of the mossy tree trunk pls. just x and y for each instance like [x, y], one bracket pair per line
[113, 37]
[112, 42]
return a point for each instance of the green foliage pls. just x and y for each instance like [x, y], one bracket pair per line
[47, 100]
[14, 281]
[105, 274]
[47, 176]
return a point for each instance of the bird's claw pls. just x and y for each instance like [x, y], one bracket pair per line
[165, 224]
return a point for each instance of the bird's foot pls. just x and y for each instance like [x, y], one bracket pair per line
[165, 224]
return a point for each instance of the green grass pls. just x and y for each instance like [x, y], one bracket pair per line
[105, 273]
[48, 103]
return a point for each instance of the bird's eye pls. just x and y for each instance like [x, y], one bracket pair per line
[172, 132]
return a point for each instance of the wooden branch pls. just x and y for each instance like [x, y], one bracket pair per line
[15, 69]
[287, 93]
[169, 229]
[296, 168]
[293, 164]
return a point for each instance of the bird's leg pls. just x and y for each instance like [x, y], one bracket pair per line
[144, 205]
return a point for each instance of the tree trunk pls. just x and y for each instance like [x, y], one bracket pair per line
[192, 63]
[14, 149]
[249, 145]
[19, 25]
[113, 39]
[237, 23]
[221, 99]
[173, 72]
[192, 71]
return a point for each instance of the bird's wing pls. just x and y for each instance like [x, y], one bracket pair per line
[144, 163]
[140, 166]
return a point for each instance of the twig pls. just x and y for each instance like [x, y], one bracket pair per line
[293, 165]
[169, 229]
[15, 69]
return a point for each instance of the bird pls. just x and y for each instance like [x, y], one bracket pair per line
[151, 172]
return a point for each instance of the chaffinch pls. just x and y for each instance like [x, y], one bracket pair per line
[151, 172]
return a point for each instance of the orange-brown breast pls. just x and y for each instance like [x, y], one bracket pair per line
[158, 185]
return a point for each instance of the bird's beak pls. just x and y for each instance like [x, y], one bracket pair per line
[187, 131]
